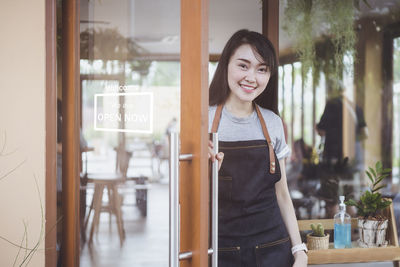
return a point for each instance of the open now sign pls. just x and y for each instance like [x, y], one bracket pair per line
[124, 112]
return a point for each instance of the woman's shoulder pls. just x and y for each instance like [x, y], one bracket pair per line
[269, 115]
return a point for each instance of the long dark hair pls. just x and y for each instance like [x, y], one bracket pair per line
[219, 87]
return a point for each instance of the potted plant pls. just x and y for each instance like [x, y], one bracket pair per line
[372, 224]
[317, 239]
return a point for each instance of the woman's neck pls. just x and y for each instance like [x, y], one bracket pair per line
[239, 108]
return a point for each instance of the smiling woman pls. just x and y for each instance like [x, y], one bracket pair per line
[257, 224]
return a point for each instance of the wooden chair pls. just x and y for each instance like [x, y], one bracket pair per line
[113, 207]
[111, 182]
[355, 254]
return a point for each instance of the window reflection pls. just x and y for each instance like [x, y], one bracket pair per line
[128, 50]
[335, 113]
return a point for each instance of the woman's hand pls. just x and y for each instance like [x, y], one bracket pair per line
[300, 259]
[212, 156]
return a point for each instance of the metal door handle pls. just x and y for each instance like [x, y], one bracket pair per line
[174, 215]
[174, 200]
[214, 204]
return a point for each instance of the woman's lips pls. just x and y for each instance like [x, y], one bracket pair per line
[247, 88]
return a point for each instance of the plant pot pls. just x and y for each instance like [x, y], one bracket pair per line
[317, 242]
[372, 233]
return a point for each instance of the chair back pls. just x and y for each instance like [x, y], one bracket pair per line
[122, 162]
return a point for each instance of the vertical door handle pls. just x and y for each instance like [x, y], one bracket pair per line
[214, 203]
[174, 200]
[174, 215]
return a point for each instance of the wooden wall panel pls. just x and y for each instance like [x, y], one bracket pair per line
[194, 188]
[270, 28]
[270, 21]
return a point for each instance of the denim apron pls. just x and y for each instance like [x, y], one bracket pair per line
[251, 229]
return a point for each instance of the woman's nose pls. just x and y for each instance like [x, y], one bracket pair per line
[250, 77]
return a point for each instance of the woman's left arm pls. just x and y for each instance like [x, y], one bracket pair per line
[288, 215]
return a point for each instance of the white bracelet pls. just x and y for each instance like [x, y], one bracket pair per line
[299, 247]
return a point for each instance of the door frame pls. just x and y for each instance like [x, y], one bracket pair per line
[51, 134]
[194, 182]
[194, 126]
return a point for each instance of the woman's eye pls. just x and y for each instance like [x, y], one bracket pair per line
[243, 66]
[263, 70]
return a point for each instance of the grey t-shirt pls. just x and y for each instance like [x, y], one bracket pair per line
[232, 128]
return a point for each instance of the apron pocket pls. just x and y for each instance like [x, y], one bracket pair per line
[229, 257]
[225, 187]
[276, 253]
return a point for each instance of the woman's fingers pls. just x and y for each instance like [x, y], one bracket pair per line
[211, 154]
[220, 158]
[210, 144]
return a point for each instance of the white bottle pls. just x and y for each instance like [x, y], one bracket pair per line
[342, 230]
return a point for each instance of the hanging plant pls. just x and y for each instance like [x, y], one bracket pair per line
[309, 21]
[339, 16]
[298, 23]
[109, 45]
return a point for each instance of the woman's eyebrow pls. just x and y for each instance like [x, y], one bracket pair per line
[249, 62]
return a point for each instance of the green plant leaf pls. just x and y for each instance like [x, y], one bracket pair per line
[373, 172]
[387, 170]
[378, 167]
[351, 202]
[379, 187]
[380, 179]
[370, 176]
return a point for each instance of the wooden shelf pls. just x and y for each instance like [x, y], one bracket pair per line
[355, 254]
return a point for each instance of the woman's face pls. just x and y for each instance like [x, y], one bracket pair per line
[247, 75]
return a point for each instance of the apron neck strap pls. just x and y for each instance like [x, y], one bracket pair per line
[217, 118]
[266, 135]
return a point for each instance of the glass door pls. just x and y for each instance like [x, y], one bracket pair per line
[130, 102]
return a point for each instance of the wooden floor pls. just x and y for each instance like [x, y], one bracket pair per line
[146, 243]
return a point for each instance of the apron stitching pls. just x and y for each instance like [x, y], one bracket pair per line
[241, 147]
[229, 249]
[277, 242]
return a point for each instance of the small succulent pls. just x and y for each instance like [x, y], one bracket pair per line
[317, 230]
[371, 201]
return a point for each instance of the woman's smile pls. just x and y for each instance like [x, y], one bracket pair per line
[247, 88]
[248, 76]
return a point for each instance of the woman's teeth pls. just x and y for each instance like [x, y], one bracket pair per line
[247, 87]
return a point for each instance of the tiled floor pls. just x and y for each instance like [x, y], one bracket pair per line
[146, 243]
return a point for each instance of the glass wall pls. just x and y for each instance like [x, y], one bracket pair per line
[333, 82]
[396, 111]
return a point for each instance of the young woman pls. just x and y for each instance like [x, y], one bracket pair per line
[257, 223]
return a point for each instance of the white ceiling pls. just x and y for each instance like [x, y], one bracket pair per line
[155, 24]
